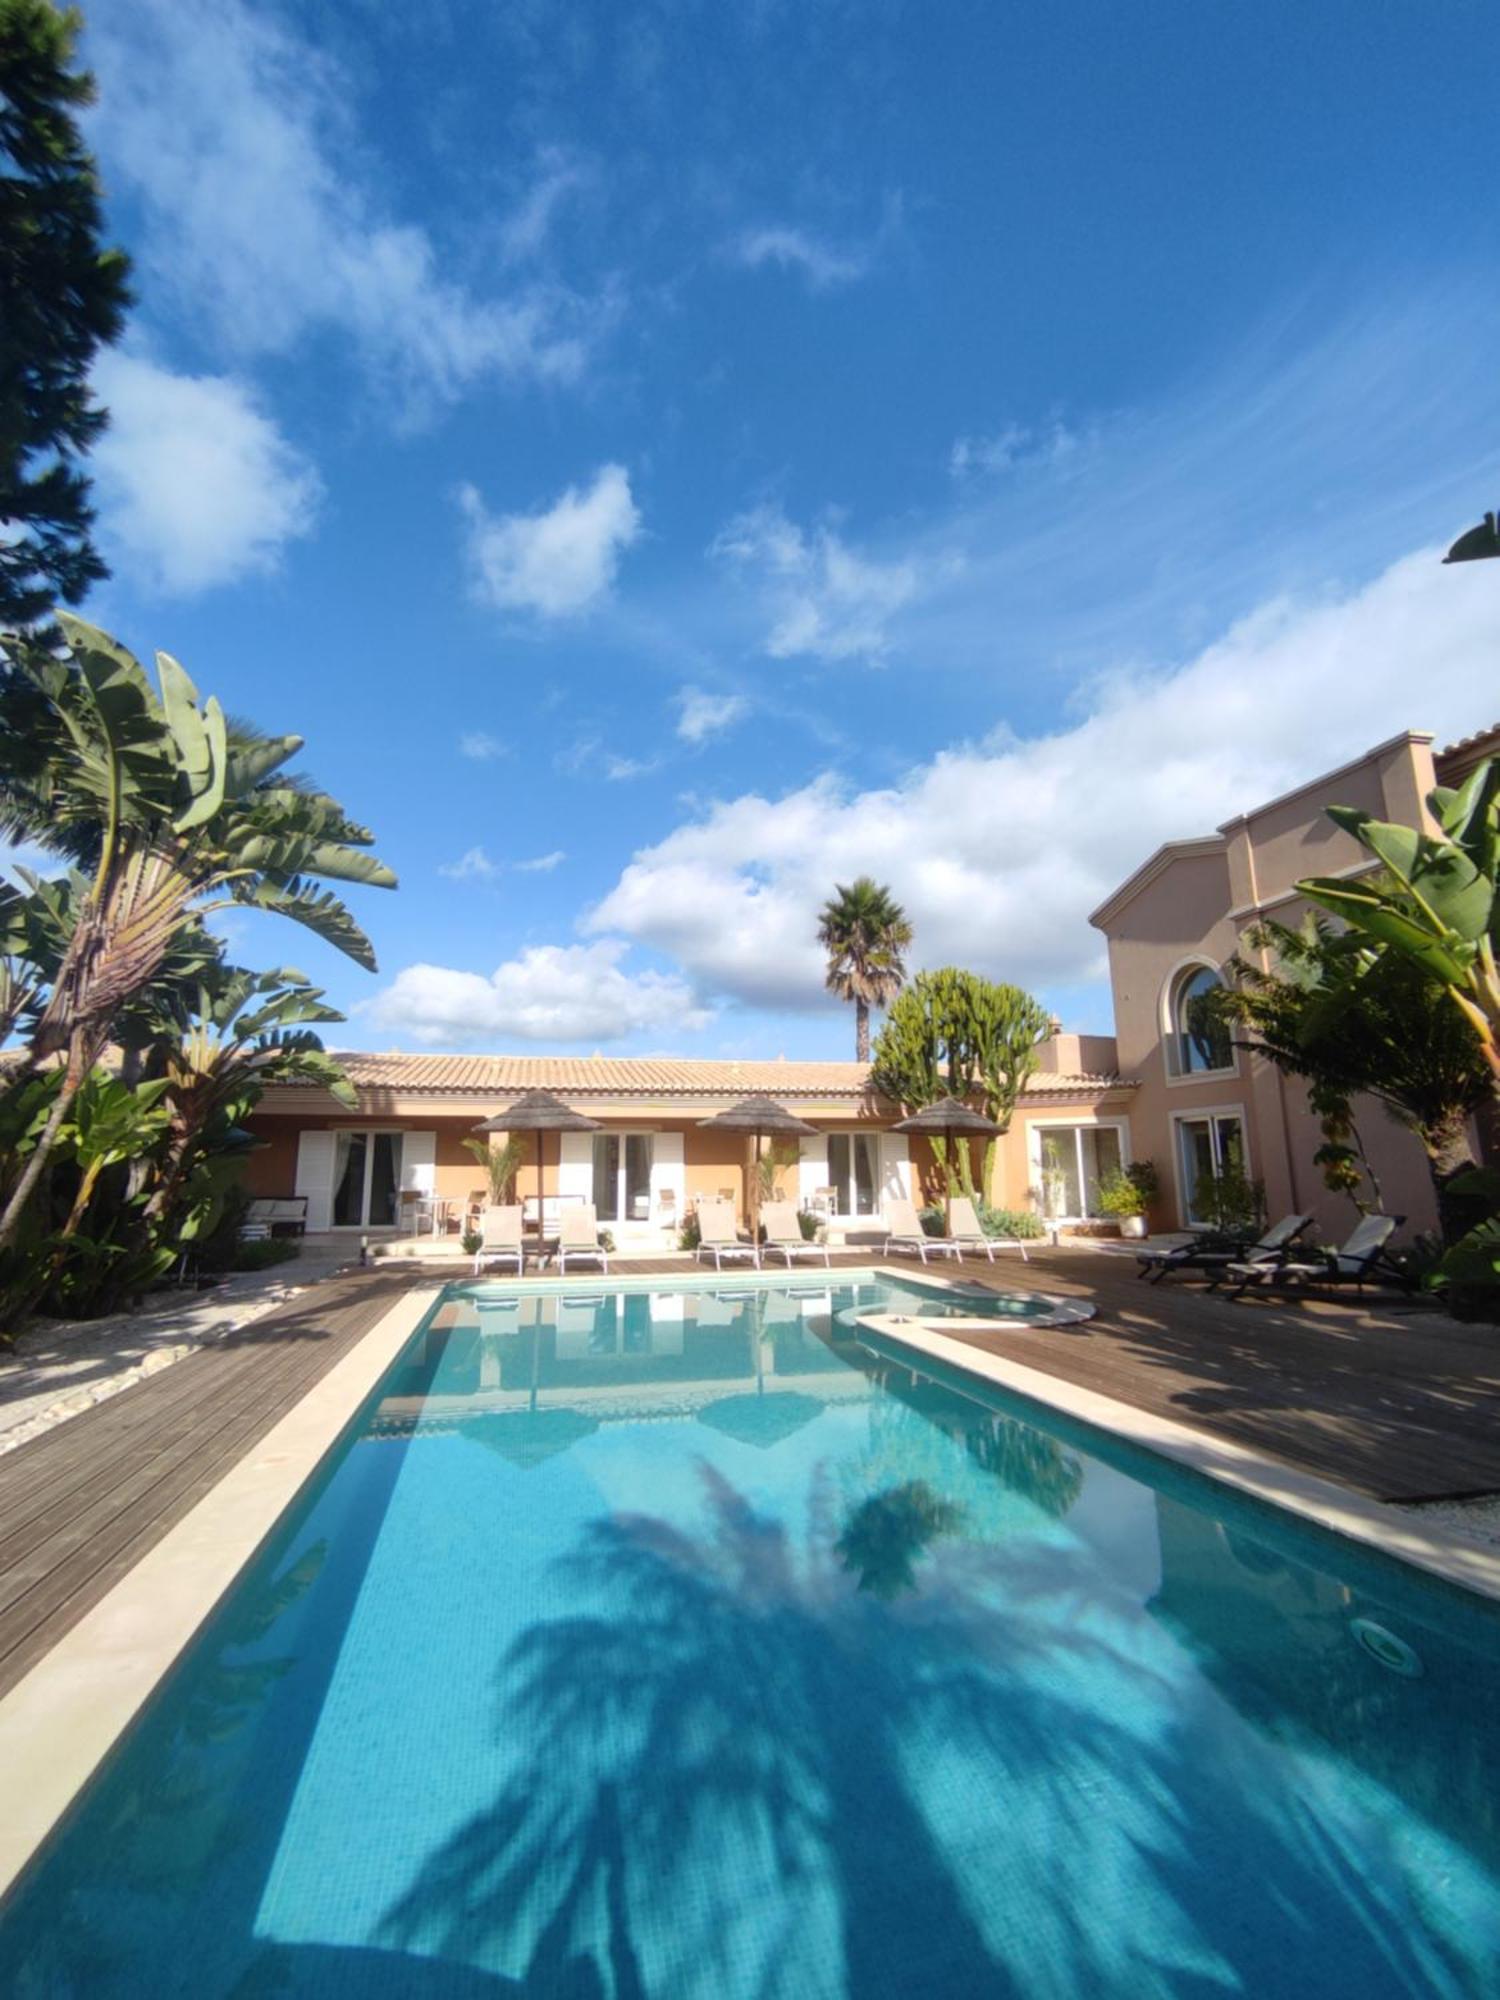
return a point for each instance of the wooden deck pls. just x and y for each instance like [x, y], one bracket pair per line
[1396, 1402]
[80, 1505]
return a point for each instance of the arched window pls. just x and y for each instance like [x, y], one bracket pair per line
[1197, 1044]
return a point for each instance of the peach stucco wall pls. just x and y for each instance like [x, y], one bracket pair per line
[1198, 906]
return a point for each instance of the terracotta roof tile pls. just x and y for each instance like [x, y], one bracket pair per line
[646, 1076]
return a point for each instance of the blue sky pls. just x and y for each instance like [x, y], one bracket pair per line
[667, 458]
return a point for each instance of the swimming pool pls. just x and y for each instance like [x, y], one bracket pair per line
[671, 1642]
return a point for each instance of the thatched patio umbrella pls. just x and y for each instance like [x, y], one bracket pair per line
[527, 1437]
[949, 1120]
[539, 1111]
[761, 1419]
[758, 1116]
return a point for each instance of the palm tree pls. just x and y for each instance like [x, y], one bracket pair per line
[172, 815]
[864, 930]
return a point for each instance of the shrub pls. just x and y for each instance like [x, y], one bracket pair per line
[689, 1236]
[469, 1242]
[261, 1252]
[809, 1224]
[934, 1221]
[1128, 1190]
[1018, 1225]
[1231, 1203]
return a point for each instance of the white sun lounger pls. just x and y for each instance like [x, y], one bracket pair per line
[578, 1237]
[500, 1238]
[719, 1237]
[965, 1230]
[784, 1234]
[905, 1232]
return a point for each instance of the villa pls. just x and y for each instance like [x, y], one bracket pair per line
[1152, 1091]
[651, 1158]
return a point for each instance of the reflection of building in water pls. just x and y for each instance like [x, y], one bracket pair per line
[624, 1354]
[1299, 1651]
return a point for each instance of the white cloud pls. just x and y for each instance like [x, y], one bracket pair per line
[823, 599]
[530, 223]
[550, 993]
[260, 215]
[701, 715]
[1012, 445]
[473, 865]
[789, 249]
[561, 561]
[197, 485]
[542, 864]
[481, 746]
[620, 770]
[999, 850]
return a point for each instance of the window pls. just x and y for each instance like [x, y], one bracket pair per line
[1205, 1148]
[366, 1179]
[1073, 1160]
[622, 1176]
[854, 1171]
[1197, 1045]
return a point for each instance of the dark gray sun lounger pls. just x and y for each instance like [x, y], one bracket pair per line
[1213, 1262]
[1362, 1260]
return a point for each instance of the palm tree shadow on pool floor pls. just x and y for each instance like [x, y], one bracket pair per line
[741, 1775]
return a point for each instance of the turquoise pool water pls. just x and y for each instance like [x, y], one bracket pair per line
[678, 1645]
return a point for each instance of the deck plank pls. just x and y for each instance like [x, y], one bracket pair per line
[113, 1480]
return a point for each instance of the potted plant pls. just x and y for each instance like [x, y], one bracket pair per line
[1126, 1194]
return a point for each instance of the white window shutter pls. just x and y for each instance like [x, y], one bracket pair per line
[667, 1175]
[812, 1168]
[315, 1177]
[895, 1167]
[419, 1163]
[575, 1166]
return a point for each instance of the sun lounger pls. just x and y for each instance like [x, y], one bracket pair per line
[719, 1236]
[905, 1232]
[265, 1216]
[784, 1234]
[964, 1229]
[500, 1238]
[1361, 1260]
[578, 1237]
[1271, 1247]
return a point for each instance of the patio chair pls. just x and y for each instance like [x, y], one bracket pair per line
[1273, 1246]
[578, 1236]
[905, 1232]
[1361, 1259]
[719, 1236]
[784, 1234]
[500, 1238]
[964, 1229]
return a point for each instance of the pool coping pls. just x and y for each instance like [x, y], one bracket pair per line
[59, 1724]
[61, 1721]
[1372, 1524]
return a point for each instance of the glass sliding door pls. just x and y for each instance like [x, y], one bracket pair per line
[1206, 1148]
[383, 1201]
[622, 1176]
[607, 1176]
[349, 1160]
[637, 1185]
[366, 1180]
[854, 1172]
[1073, 1160]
